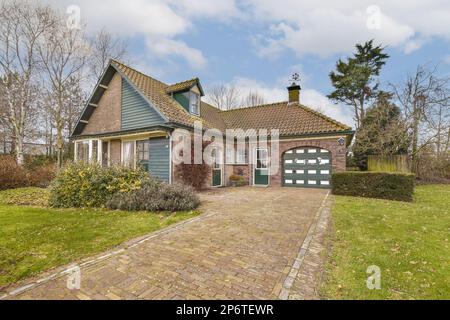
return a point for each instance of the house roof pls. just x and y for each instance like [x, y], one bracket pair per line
[185, 86]
[290, 118]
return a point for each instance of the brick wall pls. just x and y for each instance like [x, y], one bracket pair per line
[115, 149]
[107, 115]
[338, 154]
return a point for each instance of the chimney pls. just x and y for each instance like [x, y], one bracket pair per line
[294, 89]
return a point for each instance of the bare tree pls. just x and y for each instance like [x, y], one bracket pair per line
[21, 26]
[103, 48]
[224, 97]
[63, 55]
[253, 99]
[425, 99]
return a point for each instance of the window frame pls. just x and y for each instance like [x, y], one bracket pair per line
[134, 153]
[259, 160]
[191, 111]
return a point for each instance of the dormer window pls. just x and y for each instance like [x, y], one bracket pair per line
[188, 94]
[194, 103]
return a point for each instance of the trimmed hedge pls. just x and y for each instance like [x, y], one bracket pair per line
[80, 185]
[381, 185]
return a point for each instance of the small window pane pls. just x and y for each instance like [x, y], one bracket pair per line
[241, 156]
[94, 157]
[83, 151]
[194, 103]
[128, 154]
[261, 159]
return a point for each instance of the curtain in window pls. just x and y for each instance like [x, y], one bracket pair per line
[128, 154]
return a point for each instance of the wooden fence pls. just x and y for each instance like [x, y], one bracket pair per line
[397, 163]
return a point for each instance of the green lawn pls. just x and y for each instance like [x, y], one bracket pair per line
[408, 241]
[34, 239]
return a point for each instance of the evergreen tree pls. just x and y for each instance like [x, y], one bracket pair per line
[383, 131]
[355, 79]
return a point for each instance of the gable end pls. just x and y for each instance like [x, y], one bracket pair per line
[136, 111]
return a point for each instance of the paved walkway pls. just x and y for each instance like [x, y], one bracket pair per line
[242, 247]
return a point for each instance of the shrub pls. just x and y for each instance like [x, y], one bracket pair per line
[156, 196]
[392, 186]
[14, 176]
[192, 174]
[11, 174]
[79, 185]
[237, 181]
[25, 197]
[433, 169]
[42, 176]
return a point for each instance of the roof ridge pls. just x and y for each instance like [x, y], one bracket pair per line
[184, 81]
[258, 106]
[137, 71]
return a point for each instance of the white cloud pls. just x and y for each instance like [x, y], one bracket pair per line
[160, 22]
[165, 48]
[329, 27]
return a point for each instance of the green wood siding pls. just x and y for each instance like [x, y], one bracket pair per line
[136, 112]
[182, 99]
[159, 163]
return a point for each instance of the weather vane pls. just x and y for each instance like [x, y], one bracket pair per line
[295, 78]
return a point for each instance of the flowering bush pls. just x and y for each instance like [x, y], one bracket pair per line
[80, 185]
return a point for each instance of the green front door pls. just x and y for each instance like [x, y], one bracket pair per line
[217, 170]
[261, 171]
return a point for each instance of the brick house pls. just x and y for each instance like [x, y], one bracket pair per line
[130, 120]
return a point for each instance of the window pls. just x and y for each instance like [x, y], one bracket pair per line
[230, 156]
[94, 156]
[194, 103]
[143, 153]
[215, 155]
[262, 159]
[105, 153]
[128, 153]
[241, 156]
[83, 151]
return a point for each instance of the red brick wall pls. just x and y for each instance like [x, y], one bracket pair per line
[338, 154]
[107, 116]
[115, 150]
[338, 158]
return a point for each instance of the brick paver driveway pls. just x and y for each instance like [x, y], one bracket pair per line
[242, 247]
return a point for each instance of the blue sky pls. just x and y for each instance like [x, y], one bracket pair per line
[258, 44]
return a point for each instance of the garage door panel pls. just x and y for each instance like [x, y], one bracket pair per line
[307, 168]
